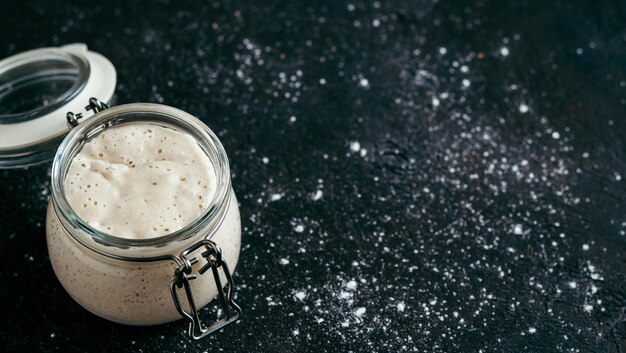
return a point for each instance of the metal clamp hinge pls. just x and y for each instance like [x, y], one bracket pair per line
[182, 277]
[94, 104]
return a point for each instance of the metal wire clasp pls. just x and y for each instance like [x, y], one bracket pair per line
[94, 104]
[182, 276]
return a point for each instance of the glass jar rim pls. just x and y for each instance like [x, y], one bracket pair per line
[114, 246]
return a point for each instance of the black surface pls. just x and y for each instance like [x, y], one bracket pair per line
[498, 228]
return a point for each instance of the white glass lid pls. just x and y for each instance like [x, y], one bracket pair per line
[37, 89]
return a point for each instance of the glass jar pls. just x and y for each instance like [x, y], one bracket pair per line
[136, 282]
[146, 281]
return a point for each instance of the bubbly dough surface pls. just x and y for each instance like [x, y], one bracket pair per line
[140, 181]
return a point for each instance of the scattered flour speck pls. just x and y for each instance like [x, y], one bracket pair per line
[318, 195]
[345, 295]
[355, 146]
[523, 108]
[359, 312]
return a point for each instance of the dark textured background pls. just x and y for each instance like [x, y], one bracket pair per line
[413, 175]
